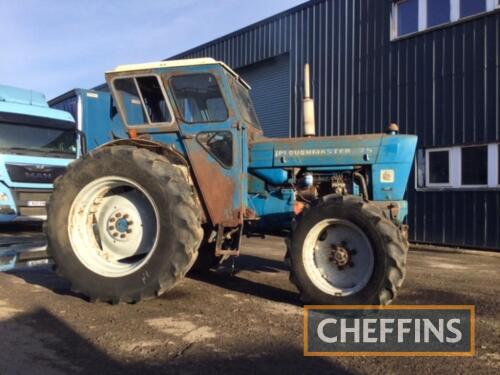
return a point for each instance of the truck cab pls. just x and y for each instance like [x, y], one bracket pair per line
[36, 145]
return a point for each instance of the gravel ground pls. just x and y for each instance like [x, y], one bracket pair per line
[250, 322]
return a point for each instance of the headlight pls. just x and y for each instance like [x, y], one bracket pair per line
[3, 197]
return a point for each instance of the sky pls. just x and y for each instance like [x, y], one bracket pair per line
[54, 46]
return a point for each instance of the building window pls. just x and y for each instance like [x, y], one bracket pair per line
[459, 167]
[407, 15]
[498, 158]
[475, 165]
[471, 7]
[411, 16]
[438, 171]
[438, 12]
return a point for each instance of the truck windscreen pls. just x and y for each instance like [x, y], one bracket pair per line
[32, 139]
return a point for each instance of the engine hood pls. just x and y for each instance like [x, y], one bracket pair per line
[327, 151]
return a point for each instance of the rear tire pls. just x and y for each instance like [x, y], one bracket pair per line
[159, 238]
[358, 255]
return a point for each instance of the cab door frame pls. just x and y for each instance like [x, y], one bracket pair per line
[222, 188]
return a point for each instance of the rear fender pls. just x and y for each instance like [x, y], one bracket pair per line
[174, 156]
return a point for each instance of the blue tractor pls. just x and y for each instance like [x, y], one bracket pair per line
[195, 172]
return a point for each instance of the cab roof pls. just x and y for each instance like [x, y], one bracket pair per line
[18, 95]
[28, 102]
[177, 64]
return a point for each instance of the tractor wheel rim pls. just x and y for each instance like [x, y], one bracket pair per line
[113, 226]
[338, 257]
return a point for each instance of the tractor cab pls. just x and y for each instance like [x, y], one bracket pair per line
[202, 109]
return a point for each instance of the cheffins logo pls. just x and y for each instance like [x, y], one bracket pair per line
[430, 330]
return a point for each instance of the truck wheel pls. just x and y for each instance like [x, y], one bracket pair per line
[346, 251]
[123, 225]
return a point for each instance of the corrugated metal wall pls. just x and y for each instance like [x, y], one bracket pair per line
[270, 81]
[442, 85]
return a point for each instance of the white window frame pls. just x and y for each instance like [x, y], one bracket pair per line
[455, 168]
[493, 154]
[429, 151]
[422, 16]
[492, 5]
[455, 10]
[422, 22]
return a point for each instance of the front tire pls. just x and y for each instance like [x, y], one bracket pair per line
[346, 251]
[123, 225]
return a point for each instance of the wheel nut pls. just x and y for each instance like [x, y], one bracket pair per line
[122, 235]
[112, 220]
[129, 230]
[125, 216]
[111, 227]
[115, 234]
[130, 222]
[118, 214]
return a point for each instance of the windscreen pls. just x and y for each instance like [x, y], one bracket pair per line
[199, 98]
[245, 105]
[29, 139]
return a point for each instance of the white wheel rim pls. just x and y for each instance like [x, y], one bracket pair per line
[338, 257]
[113, 226]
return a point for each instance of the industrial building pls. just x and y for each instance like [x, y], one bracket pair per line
[432, 66]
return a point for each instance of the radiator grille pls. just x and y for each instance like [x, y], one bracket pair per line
[45, 174]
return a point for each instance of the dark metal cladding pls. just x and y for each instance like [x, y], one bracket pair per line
[441, 84]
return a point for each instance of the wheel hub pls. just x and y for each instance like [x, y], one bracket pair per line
[122, 225]
[341, 255]
[119, 225]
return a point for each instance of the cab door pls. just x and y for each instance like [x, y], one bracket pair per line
[213, 138]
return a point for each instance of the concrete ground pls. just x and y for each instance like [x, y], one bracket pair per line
[247, 323]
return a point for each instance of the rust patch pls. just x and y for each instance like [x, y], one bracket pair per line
[216, 188]
[249, 214]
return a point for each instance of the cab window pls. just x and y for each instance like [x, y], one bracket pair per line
[219, 145]
[142, 100]
[199, 98]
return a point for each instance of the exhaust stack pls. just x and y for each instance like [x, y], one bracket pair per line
[308, 105]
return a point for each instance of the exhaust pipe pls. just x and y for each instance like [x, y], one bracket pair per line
[308, 105]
